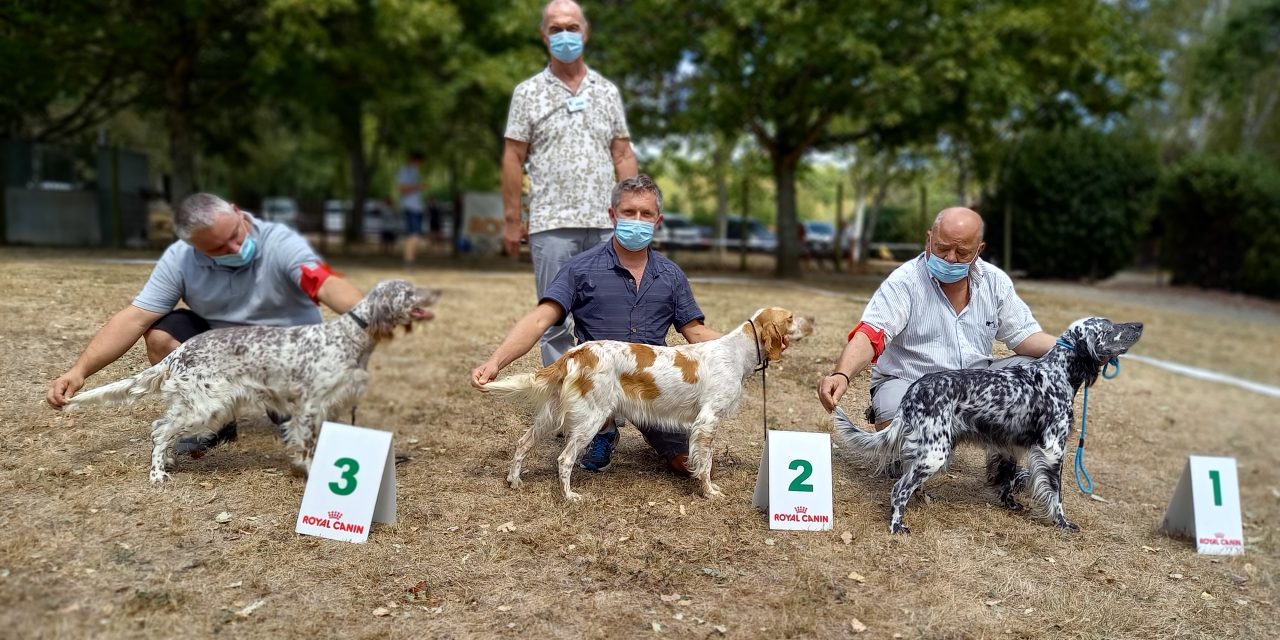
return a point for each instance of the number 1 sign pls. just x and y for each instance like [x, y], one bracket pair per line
[795, 481]
[1206, 506]
[351, 484]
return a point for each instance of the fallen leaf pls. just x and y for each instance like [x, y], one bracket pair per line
[572, 547]
[846, 537]
[504, 608]
[671, 598]
[857, 625]
[992, 603]
[1242, 602]
[412, 441]
[1050, 560]
[1150, 549]
[682, 511]
[1029, 610]
[1097, 498]
[222, 518]
[769, 541]
[857, 577]
[1205, 595]
[234, 585]
[678, 616]
[382, 612]
[651, 503]
[507, 526]
[1176, 576]
[721, 629]
[451, 529]
[244, 613]
[657, 628]
[624, 538]
[685, 603]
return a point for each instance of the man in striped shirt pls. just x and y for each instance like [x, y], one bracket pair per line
[938, 312]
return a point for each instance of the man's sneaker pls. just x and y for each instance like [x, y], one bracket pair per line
[196, 446]
[599, 451]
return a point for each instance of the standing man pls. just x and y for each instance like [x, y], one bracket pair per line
[230, 269]
[938, 312]
[617, 290]
[409, 186]
[568, 123]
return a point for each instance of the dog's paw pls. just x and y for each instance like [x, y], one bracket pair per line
[573, 497]
[515, 483]
[1011, 504]
[158, 476]
[712, 490]
[897, 528]
[1063, 523]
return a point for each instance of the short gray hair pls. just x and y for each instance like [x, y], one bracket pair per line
[542, 26]
[197, 212]
[635, 184]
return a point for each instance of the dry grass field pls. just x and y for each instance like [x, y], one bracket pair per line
[89, 549]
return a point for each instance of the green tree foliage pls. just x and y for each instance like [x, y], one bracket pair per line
[1078, 199]
[1221, 217]
[797, 75]
[1238, 70]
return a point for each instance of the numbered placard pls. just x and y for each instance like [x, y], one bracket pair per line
[352, 483]
[1206, 506]
[794, 481]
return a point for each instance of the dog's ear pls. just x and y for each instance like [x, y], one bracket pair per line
[773, 324]
[382, 313]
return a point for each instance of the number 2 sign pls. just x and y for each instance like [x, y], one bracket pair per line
[795, 481]
[352, 483]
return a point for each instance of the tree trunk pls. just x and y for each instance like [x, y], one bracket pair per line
[720, 169]
[353, 133]
[784, 178]
[874, 218]
[181, 128]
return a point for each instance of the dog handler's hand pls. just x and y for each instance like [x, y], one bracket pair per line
[830, 389]
[63, 388]
[483, 374]
[512, 233]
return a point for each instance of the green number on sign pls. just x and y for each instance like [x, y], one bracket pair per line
[1217, 488]
[349, 476]
[806, 470]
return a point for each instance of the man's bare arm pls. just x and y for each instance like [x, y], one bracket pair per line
[112, 341]
[513, 157]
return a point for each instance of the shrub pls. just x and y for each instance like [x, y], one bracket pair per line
[1221, 219]
[1079, 199]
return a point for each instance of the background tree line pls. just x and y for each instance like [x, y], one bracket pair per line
[1091, 134]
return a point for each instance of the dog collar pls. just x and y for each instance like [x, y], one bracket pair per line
[360, 321]
[764, 364]
[1064, 343]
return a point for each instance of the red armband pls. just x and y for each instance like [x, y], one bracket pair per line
[312, 278]
[876, 336]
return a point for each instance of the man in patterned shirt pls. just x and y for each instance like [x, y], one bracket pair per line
[938, 312]
[618, 290]
[568, 123]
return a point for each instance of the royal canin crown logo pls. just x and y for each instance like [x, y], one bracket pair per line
[802, 509]
[1219, 535]
[336, 515]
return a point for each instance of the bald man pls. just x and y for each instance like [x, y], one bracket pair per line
[568, 127]
[938, 312]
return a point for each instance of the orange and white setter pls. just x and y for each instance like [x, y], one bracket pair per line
[690, 388]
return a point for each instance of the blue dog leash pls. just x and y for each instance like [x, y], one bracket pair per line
[1086, 486]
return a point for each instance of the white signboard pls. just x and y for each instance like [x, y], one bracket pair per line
[1206, 506]
[352, 483]
[794, 481]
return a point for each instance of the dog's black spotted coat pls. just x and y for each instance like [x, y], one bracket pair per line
[1017, 410]
[309, 372]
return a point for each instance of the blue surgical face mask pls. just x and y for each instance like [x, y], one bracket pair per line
[944, 271]
[566, 46]
[633, 235]
[245, 256]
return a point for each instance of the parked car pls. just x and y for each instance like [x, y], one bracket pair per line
[679, 232]
[759, 238]
[378, 217]
[819, 237]
[280, 209]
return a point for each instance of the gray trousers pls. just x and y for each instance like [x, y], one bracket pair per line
[887, 391]
[550, 250]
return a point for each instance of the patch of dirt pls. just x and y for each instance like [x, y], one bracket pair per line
[89, 548]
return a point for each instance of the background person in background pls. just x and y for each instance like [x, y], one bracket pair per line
[938, 312]
[230, 269]
[568, 123]
[409, 187]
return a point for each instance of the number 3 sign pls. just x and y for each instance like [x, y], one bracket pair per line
[351, 484]
[795, 481]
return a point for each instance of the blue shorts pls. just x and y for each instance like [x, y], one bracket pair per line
[413, 219]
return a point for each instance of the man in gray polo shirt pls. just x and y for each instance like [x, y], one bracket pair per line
[938, 312]
[569, 124]
[230, 269]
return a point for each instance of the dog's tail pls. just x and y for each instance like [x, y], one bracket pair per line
[538, 388]
[872, 450]
[123, 393]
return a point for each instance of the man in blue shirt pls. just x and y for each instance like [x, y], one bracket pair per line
[619, 290]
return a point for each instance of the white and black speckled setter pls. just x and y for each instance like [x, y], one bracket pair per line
[1013, 411]
[311, 372]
